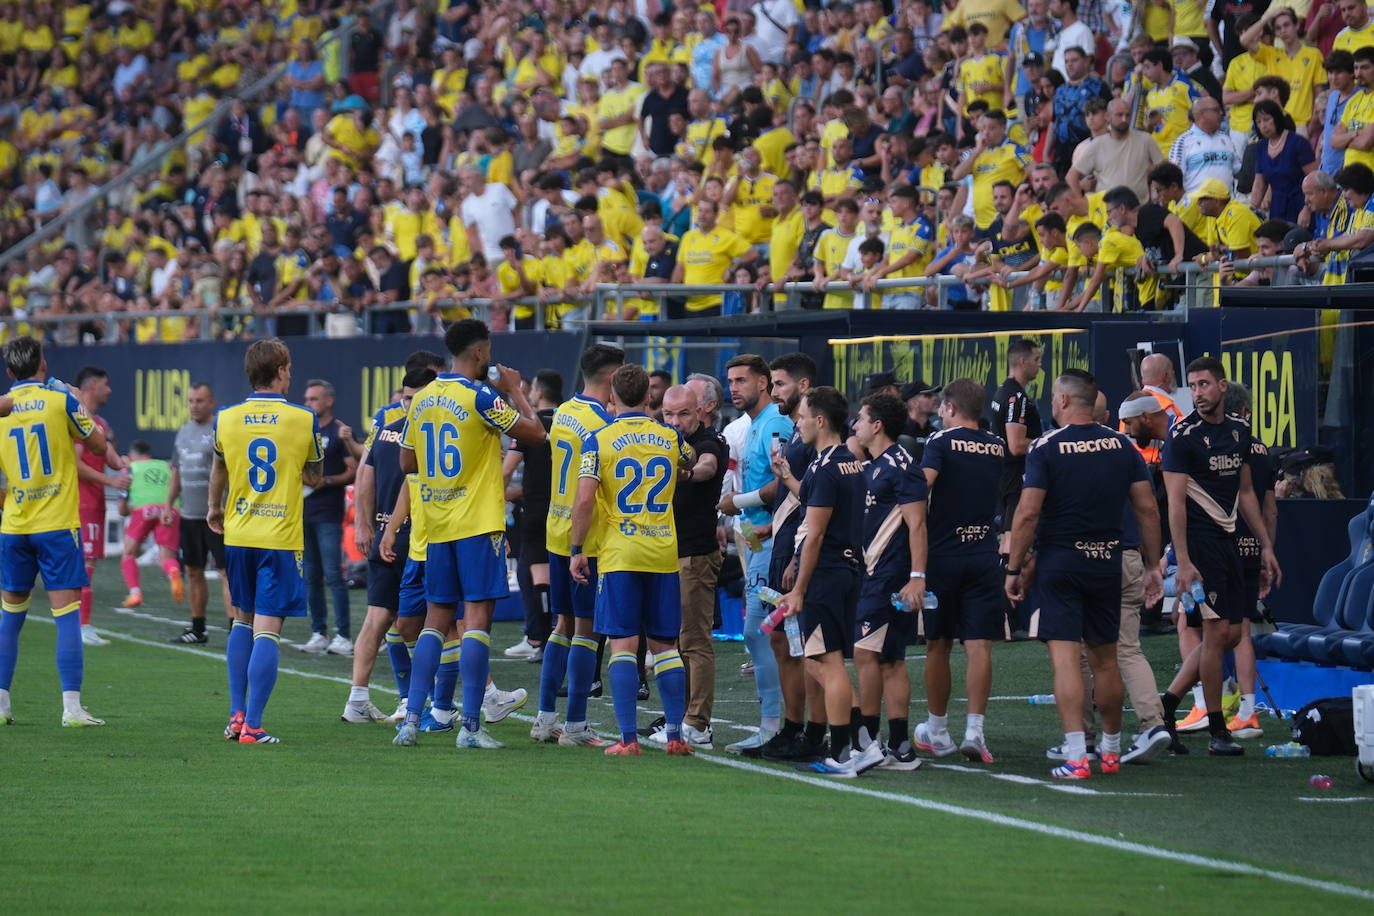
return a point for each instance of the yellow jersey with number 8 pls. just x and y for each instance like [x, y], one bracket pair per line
[266, 442]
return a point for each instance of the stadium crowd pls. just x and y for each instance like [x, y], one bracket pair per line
[516, 152]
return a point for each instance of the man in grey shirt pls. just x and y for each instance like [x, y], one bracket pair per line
[194, 455]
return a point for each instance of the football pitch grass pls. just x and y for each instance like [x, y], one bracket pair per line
[157, 812]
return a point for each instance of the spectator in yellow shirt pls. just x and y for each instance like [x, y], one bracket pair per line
[981, 73]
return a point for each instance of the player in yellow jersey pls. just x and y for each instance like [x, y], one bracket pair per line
[39, 530]
[265, 449]
[626, 482]
[452, 440]
[571, 648]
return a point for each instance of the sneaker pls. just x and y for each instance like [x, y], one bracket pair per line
[975, 750]
[178, 588]
[538, 657]
[80, 719]
[1147, 745]
[1057, 752]
[359, 713]
[903, 758]
[621, 749]
[1195, 721]
[522, 649]
[234, 728]
[657, 727]
[940, 746]
[1177, 748]
[785, 747]
[868, 758]
[400, 713]
[407, 734]
[643, 693]
[757, 740]
[1224, 745]
[189, 637]
[257, 736]
[1109, 763]
[1244, 728]
[1073, 769]
[498, 704]
[584, 737]
[133, 599]
[340, 645]
[478, 739]
[747, 669]
[317, 644]
[1230, 700]
[595, 690]
[546, 732]
[89, 637]
[832, 767]
[698, 737]
[678, 748]
[437, 720]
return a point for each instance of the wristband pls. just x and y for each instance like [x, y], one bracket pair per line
[748, 500]
[918, 575]
[574, 550]
[1013, 572]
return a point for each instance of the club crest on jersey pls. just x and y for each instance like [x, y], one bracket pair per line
[628, 528]
[1235, 435]
[300, 563]
[496, 541]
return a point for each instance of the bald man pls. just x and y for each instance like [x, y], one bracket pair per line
[699, 558]
[1157, 377]
[1121, 156]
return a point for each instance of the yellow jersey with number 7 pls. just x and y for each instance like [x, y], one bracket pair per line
[576, 419]
[266, 442]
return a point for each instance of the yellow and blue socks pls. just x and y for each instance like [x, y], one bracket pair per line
[71, 659]
[237, 650]
[475, 665]
[262, 676]
[581, 670]
[446, 678]
[672, 688]
[625, 688]
[554, 668]
[399, 655]
[424, 663]
[11, 622]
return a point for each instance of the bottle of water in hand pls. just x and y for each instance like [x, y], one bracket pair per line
[1194, 597]
[930, 603]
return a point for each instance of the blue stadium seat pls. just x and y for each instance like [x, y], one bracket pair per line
[1350, 581]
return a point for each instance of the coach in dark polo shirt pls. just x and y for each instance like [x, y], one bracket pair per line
[699, 556]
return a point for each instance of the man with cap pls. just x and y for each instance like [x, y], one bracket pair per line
[1145, 418]
[1032, 69]
[921, 400]
[1188, 62]
[1231, 232]
[874, 383]
[1031, 36]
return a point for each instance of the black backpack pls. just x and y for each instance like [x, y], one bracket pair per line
[1327, 727]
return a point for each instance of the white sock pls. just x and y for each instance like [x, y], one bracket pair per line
[973, 727]
[359, 695]
[4, 701]
[575, 726]
[1199, 699]
[1111, 744]
[1075, 745]
[135, 590]
[491, 689]
[546, 718]
[443, 716]
[938, 725]
[865, 739]
[1247, 706]
[772, 723]
[71, 702]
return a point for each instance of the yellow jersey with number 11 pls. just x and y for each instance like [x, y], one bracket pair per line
[38, 460]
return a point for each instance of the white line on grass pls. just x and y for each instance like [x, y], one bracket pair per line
[1346, 800]
[1064, 833]
[1002, 820]
[1066, 788]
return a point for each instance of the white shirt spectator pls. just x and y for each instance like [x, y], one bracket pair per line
[1077, 35]
[493, 213]
[1202, 155]
[127, 75]
[770, 34]
[598, 64]
[161, 278]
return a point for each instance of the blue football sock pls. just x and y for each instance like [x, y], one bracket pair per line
[262, 676]
[446, 678]
[237, 650]
[581, 668]
[71, 659]
[424, 662]
[625, 686]
[11, 622]
[551, 674]
[475, 665]
[672, 688]
[399, 654]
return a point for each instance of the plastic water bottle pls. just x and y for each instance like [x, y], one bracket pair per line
[1042, 699]
[1319, 781]
[493, 374]
[1291, 749]
[1192, 599]
[751, 536]
[771, 597]
[930, 603]
[791, 627]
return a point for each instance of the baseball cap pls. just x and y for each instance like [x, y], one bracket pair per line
[1183, 41]
[878, 380]
[1213, 188]
[1033, 59]
[911, 389]
[1294, 238]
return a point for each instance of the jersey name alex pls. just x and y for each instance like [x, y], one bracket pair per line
[265, 442]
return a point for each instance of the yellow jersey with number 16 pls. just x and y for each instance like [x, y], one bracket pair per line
[266, 442]
[635, 461]
[38, 460]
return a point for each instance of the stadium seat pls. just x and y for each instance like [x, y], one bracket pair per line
[1291, 641]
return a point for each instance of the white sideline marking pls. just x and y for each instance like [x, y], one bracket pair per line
[1063, 833]
[1067, 788]
[1350, 798]
[1002, 820]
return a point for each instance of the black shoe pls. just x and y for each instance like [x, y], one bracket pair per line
[190, 637]
[796, 748]
[660, 722]
[777, 747]
[643, 693]
[1223, 745]
[595, 690]
[1178, 748]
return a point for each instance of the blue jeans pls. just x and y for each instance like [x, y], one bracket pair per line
[322, 560]
[756, 641]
